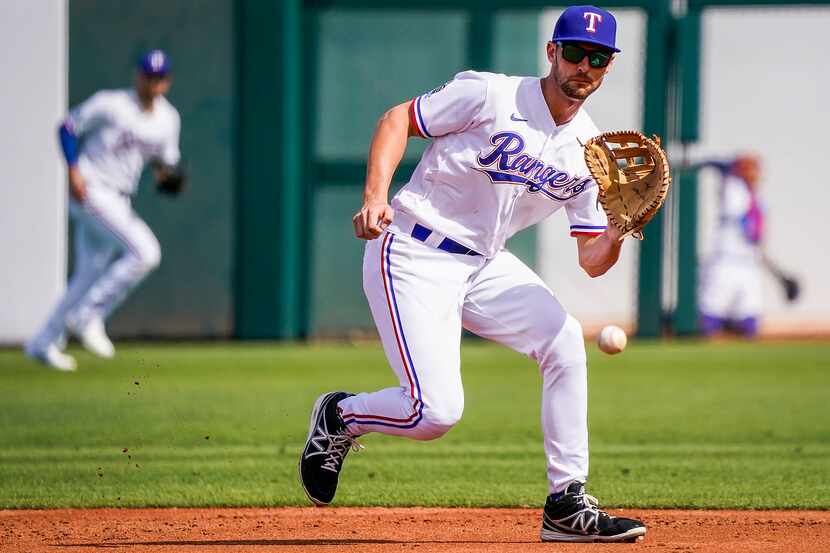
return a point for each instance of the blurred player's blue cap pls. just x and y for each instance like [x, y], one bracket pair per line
[154, 63]
[586, 24]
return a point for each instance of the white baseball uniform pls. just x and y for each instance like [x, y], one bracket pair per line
[730, 286]
[114, 247]
[497, 164]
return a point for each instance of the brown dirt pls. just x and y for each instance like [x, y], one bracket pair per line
[380, 530]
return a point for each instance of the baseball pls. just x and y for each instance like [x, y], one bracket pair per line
[612, 339]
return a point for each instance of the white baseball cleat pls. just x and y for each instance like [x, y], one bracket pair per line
[94, 338]
[53, 357]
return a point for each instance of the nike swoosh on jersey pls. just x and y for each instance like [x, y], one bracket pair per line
[514, 117]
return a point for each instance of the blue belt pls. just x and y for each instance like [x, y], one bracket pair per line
[420, 232]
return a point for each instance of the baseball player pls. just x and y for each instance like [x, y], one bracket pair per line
[505, 154]
[107, 140]
[730, 284]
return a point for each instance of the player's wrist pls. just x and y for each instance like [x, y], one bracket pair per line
[613, 233]
[373, 200]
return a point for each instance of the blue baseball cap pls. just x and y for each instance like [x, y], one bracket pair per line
[154, 63]
[586, 24]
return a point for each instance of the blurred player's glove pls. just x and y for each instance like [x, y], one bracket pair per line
[789, 284]
[172, 179]
[792, 289]
[632, 173]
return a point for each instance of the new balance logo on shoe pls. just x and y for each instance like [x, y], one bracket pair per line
[576, 517]
[584, 521]
[319, 441]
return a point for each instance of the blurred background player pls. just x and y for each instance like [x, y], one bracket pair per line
[107, 140]
[730, 292]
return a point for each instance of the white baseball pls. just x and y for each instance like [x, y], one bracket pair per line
[612, 339]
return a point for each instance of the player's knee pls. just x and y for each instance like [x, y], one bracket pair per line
[565, 347]
[438, 420]
[149, 255]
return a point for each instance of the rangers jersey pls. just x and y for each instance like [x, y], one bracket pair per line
[118, 137]
[498, 163]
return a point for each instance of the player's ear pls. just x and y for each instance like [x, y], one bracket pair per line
[551, 51]
[611, 63]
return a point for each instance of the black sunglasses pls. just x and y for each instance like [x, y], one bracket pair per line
[575, 54]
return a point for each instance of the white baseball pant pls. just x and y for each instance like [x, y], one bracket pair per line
[421, 297]
[114, 251]
[730, 288]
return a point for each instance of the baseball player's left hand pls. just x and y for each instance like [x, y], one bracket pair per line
[372, 219]
[170, 179]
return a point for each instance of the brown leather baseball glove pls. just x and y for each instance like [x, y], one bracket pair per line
[633, 177]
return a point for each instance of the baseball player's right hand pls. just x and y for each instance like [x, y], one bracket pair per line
[372, 219]
[77, 184]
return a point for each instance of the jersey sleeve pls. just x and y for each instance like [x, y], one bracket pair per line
[451, 108]
[170, 154]
[91, 113]
[585, 214]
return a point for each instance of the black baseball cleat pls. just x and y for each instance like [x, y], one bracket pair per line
[576, 517]
[325, 449]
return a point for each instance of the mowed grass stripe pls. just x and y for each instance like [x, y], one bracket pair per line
[677, 425]
[34, 455]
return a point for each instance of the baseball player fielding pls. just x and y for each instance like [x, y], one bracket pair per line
[505, 154]
[106, 141]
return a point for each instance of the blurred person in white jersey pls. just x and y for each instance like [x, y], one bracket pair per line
[107, 140]
[730, 289]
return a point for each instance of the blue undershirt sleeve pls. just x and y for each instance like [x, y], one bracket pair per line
[69, 144]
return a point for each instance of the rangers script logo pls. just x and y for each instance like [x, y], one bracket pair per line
[510, 165]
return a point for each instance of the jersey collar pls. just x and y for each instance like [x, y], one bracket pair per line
[543, 112]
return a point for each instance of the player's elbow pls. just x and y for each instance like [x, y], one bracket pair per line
[395, 115]
[592, 271]
[397, 119]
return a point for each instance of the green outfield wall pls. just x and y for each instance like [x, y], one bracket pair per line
[261, 244]
[191, 293]
[278, 103]
[364, 62]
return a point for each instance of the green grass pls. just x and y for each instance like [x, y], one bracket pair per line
[672, 425]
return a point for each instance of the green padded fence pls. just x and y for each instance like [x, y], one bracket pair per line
[278, 101]
[367, 61]
[191, 292]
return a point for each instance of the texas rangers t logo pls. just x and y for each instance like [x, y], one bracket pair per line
[592, 18]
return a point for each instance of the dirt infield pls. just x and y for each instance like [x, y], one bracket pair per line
[380, 530]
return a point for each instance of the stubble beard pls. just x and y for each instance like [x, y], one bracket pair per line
[577, 91]
[574, 90]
